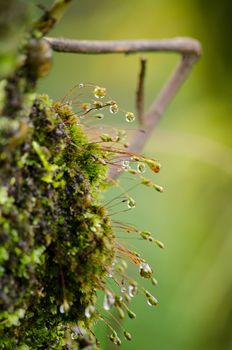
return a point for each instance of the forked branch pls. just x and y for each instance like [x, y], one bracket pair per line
[188, 48]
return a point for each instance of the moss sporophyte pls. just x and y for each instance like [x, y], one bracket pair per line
[58, 242]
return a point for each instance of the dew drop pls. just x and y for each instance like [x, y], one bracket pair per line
[130, 117]
[99, 116]
[141, 167]
[131, 203]
[99, 92]
[123, 290]
[114, 108]
[89, 311]
[109, 300]
[152, 301]
[132, 290]
[126, 165]
[145, 270]
[74, 335]
[64, 307]
[81, 85]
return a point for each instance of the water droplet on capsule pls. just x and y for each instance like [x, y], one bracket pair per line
[130, 117]
[109, 300]
[99, 92]
[61, 309]
[89, 311]
[64, 307]
[126, 165]
[123, 290]
[131, 203]
[99, 116]
[73, 335]
[114, 108]
[145, 270]
[141, 167]
[152, 301]
[132, 290]
[81, 85]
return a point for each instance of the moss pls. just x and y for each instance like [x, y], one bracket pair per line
[56, 239]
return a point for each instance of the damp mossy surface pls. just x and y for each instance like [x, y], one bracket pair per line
[56, 241]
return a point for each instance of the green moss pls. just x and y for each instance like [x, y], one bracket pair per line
[56, 240]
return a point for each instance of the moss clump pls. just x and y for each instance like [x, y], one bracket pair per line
[56, 240]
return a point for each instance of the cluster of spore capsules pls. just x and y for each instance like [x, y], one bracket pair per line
[136, 165]
[100, 94]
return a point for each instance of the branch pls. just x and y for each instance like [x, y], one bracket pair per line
[162, 100]
[178, 45]
[51, 17]
[139, 101]
[190, 50]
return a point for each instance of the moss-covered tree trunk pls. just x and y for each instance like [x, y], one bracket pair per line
[57, 245]
[55, 238]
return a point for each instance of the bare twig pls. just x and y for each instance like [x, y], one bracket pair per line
[178, 45]
[139, 101]
[157, 108]
[190, 50]
[51, 16]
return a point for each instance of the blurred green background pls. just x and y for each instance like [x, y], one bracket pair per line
[193, 142]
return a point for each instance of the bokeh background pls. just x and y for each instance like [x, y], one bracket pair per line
[192, 141]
